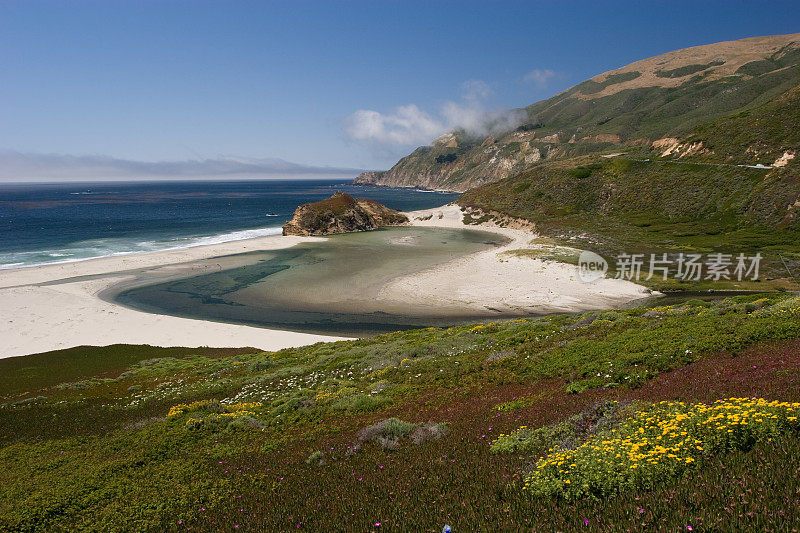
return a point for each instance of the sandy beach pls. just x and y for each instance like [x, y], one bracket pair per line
[504, 282]
[46, 308]
[58, 306]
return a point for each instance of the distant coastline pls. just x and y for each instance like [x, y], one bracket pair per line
[418, 188]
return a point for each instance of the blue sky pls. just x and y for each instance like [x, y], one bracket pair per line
[181, 80]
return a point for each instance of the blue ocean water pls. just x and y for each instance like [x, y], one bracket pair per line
[49, 223]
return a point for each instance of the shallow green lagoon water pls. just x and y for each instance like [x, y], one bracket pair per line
[329, 287]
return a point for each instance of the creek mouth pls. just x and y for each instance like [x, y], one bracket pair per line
[327, 287]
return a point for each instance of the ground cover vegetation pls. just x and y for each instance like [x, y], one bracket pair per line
[403, 430]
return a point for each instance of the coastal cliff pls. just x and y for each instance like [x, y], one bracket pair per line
[458, 161]
[341, 213]
[659, 107]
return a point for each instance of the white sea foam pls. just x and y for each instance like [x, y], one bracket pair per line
[235, 236]
[96, 249]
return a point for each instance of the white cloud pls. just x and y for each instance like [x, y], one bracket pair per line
[539, 77]
[475, 90]
[19, 166]
[410, 125]
[407, 125]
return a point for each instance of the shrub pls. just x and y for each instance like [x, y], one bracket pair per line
[244, 422]
[388, 432]
[566, 434]
[360, 403]
[657, 444]
[789, 308]
[215, 416]
[429, 431]
[518, 403]
[29, 401]
[390, 428]
[84, 384]
[259, 366]
[499, 356]
[696, 302]
[580, 172]
[315, 457]
[155, 361]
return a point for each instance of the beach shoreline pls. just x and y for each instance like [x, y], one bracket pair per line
[52, 307]
[504, 282]
[62, 305]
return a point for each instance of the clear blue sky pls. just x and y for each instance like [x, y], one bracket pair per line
[177, 80]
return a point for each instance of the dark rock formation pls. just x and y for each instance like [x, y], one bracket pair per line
[341, 213]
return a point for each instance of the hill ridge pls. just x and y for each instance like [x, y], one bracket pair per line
[678, 93]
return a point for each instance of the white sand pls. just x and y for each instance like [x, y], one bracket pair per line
[503, 282]
[36, 318]
[42, 309]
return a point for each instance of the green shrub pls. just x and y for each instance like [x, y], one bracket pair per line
[361, 403]
[580, 172]
[565, 434]
[518, 403]
[390, 428]
[315, 457]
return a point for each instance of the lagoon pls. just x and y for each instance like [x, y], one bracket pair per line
[330, 286]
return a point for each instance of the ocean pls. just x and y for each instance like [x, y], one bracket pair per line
[54, 223]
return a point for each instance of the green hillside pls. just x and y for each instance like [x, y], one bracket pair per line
[652, 112]
[412, 430]
[616, 205]
[760, 135]
[673, 95]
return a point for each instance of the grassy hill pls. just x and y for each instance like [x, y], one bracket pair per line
[761, 135]
[620, 204]
[669, 96]
[417, 429]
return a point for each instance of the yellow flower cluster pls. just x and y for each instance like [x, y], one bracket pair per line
[788, 311]
[504, 435]
[181, 408]
[784, 309]
[662, 308]
[658, 443]
[324, 396]
[376, 374]
[242, 407]
[233, 410]
[491, 327]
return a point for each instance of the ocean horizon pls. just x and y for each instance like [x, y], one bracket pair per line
[49, 223]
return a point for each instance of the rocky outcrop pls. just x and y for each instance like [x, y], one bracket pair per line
[370, 177]
[458, 162]
[783, 160]
[341, 213]
[670, 146]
